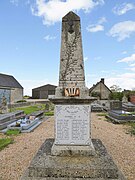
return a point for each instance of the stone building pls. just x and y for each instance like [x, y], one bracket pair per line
[42, 92]
[10, 89]
[100, 90]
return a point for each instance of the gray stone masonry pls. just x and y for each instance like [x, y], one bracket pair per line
[47, 167]
[71, 73]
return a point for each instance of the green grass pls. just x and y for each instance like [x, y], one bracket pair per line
[50, 113]
[101, 114]
[131, 130]
[21, 101]
[31, 109]
[5, 142]
[12, 132]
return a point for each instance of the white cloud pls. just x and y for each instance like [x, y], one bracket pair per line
[125, 81]
[132, 69]
[85, 59]
[102, 20]
[122, 30]
[14, 2]
[95, 28]
[128, 59]
[48, 37]
[104, 71]
[123, 8]
[97, 58]
[27, 2]
[98, 26]
[52, 11]
[124, 52]
[132, 65]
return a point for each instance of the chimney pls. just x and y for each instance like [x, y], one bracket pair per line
[102, 80]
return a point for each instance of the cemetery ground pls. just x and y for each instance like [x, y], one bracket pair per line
[15, 158]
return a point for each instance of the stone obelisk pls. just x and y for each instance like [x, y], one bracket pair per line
[72, 101]
[71, 74]
[72, 154]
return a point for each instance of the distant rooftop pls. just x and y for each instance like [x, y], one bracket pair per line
[45, 87]
[9, 81]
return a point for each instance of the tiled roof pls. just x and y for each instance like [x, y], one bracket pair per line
[9, 81]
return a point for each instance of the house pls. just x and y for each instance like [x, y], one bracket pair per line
[10, 89]
[100, 90]
[42, 92]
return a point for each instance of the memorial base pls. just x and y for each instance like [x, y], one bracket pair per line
[44, 166]
[60, 150]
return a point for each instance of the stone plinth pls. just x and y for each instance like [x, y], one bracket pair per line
[47, 167]
[72, 127]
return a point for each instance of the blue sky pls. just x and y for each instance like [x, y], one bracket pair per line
[30, 38]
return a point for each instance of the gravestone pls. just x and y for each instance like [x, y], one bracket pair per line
[115, 105]
[72, 154]
[124, 99]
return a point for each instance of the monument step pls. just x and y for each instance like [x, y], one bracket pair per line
[48, 167]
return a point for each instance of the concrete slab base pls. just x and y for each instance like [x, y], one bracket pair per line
[44, 166]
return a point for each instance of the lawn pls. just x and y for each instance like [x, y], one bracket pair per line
[12, 132]
[31, 109]
[5, 142]
[101, 114]
[50, 113]
[131, 127]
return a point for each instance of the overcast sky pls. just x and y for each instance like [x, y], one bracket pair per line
[30, 38]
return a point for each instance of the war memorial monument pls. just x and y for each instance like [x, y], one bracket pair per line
[72, 155]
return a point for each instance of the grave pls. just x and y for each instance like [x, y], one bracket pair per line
[95, 107]
[128, 106]
[18, 120]
[25, 124]
[8, 118]
[115, 105]
[121, 116]
[118, 115]
[72, 155]
[37, 114]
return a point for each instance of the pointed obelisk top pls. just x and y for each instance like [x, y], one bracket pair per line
[71, 16]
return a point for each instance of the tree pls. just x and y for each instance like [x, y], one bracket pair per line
[116, 96]
[115, 88]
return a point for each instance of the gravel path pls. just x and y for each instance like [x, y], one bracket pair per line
[120, 146]
[16, 158]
